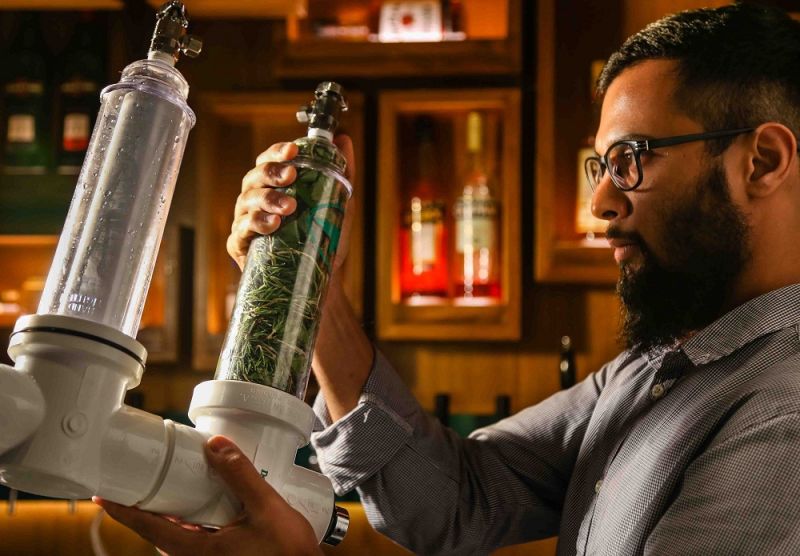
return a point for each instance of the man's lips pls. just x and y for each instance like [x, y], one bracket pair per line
[624, 249]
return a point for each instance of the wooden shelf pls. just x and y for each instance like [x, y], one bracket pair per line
[492, 47]
[61, 5]
[396, 319]
[241, 8]
[233, 129]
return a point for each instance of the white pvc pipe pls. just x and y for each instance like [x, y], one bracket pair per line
[21, 407]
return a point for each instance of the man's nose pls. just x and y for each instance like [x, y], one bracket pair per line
[608, 202]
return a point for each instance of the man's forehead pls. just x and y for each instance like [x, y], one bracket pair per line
[640, 103]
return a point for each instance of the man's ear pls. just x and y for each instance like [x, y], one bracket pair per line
[772, 152]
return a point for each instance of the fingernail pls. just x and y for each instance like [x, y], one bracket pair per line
[284, 203]
[285, 172]
[285, 149]
[219, 444]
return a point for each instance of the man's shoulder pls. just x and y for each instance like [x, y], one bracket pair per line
[770, 395]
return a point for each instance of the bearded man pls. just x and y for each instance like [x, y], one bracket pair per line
[688, 442]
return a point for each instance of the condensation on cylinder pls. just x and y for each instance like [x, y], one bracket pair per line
[107, 251]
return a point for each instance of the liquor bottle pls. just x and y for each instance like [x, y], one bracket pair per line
[502, 406]
[441, 408]
[585, 222]
[25, 146]
[477, 253]
[79, 87]
[453, 20]
[423, 237]
[566, 365]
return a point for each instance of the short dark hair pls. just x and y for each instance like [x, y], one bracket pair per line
[738, 65]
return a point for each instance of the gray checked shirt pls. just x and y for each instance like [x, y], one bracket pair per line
[694, 449]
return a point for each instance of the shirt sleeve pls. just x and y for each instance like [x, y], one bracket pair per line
[436, 493]
[729, 503]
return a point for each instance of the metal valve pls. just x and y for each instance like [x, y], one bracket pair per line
[324, 111]
[170, 35]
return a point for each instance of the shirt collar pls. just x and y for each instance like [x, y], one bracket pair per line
[753, 319]
[761, 315]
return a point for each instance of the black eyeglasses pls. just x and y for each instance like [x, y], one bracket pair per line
[623, 158]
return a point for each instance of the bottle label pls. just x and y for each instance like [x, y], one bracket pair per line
[76, 132]
[476, 224]
[418, 21]
[475, 234]
[21, 128]
[423, 246]
[24, 88]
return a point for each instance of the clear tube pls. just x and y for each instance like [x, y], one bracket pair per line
[107, 250]
[274, 323]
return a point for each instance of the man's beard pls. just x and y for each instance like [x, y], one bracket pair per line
[706, 244]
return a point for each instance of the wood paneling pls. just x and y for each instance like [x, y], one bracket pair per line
[636, 14]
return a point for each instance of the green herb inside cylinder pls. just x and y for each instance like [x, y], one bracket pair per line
[271, 335]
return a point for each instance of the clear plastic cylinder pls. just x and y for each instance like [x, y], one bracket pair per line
[107, 250]
[270, 338]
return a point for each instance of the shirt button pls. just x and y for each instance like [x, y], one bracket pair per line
[597, 486]
[657, 391]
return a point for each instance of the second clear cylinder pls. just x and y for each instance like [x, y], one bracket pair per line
[270, 339]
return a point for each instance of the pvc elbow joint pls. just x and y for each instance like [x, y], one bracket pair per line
[21, 407]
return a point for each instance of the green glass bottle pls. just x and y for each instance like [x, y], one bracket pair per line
[78, 90]
[25, 149]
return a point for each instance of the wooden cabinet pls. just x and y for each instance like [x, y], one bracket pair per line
[232, 129]
[400, 318]
[564, 116]
[490, 44]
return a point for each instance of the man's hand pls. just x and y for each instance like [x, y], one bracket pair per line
[261, 204]
[268, 525]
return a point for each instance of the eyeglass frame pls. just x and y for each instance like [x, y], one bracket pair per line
[643, 145]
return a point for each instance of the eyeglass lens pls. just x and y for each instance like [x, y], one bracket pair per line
[622, 165]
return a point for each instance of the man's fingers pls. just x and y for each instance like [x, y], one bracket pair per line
[267, 200]
[252, 224]
[279, 152]
[155, 529]
[269, 174]
[245, 482]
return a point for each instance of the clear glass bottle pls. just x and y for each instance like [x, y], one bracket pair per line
[423, 235]
[270, 338]
[477, 251]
